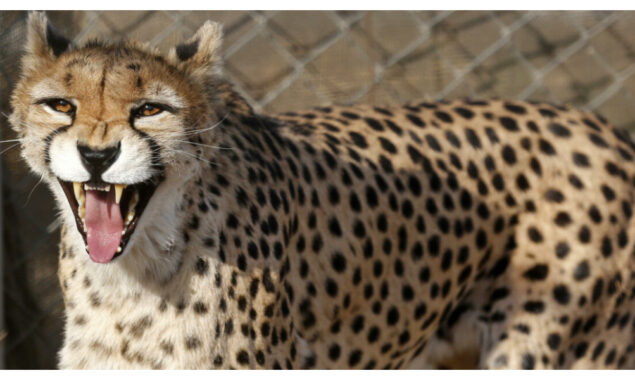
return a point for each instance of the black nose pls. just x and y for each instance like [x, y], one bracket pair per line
[97, 161]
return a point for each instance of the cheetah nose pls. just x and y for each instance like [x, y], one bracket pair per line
[98, 161]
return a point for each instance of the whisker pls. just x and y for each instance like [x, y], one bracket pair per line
[9, 148]
[196, 157]
[28, 198]
[206, 145]
[199, 131]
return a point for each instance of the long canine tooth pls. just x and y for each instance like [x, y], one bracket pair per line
[118, 191]
[77, 189]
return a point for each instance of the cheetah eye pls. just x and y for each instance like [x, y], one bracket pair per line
[61, 105]
[149, 109]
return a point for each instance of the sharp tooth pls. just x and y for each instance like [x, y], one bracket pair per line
[119, 249]
[77, 189]
[118, 191]
[107, 188]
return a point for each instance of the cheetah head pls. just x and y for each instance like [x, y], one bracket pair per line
[110, 127]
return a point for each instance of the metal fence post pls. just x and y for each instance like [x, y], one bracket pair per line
[3, 333]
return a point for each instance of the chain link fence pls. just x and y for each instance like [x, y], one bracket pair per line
[283, 61]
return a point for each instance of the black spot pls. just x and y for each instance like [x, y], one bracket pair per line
[331, 287]
[446, 260]
[522, 182]
[553, 195]
[598, 140]
[443, 116]
[547, 113]
[242, 357]
[546, 147]
[534, 235]
[534, 307]
[393, 316]
[528, 361]
[499, 267]
[452, 138]
[433, 143]
[187, 51]
[338, 262]
[354, 358]
[610, 357]
[464, 112]
[472, 138]
[350, 115]
[424, 275]
[597, 351]
[581, 271]
[553, 341]
[374, 124]
[561, 294]
[576, 182]
[192, 343]
[509, 124]
[334, 352]
[371, 197]
[584, 235]
[515, 108]
[597, 290]
[608, 193]
[509, 155]
[559, 130]
[537, 272]
[562, 250]
[387, 145]
[581, 159]
[581, 349]
[358, 139]
[201, 266]
[562, 219]
[334, 227]
[415, 120]
[491, 135]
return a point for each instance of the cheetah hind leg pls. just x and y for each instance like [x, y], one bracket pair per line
[528, 330]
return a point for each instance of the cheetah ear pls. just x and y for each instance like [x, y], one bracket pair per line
[44, 42]
[200, 55]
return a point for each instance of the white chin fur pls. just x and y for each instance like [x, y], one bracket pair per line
[65, 160]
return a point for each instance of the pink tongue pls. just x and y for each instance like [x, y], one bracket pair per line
[104, 225]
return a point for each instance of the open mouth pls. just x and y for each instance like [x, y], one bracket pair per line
[107, 214]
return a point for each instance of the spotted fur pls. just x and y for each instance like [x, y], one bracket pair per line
[452, 234]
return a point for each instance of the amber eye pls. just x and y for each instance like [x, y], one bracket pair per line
[149, 110]
[61, 105]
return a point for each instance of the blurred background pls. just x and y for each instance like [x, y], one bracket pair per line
[283, 61]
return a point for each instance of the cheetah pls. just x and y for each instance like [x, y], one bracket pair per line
[200, 234]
